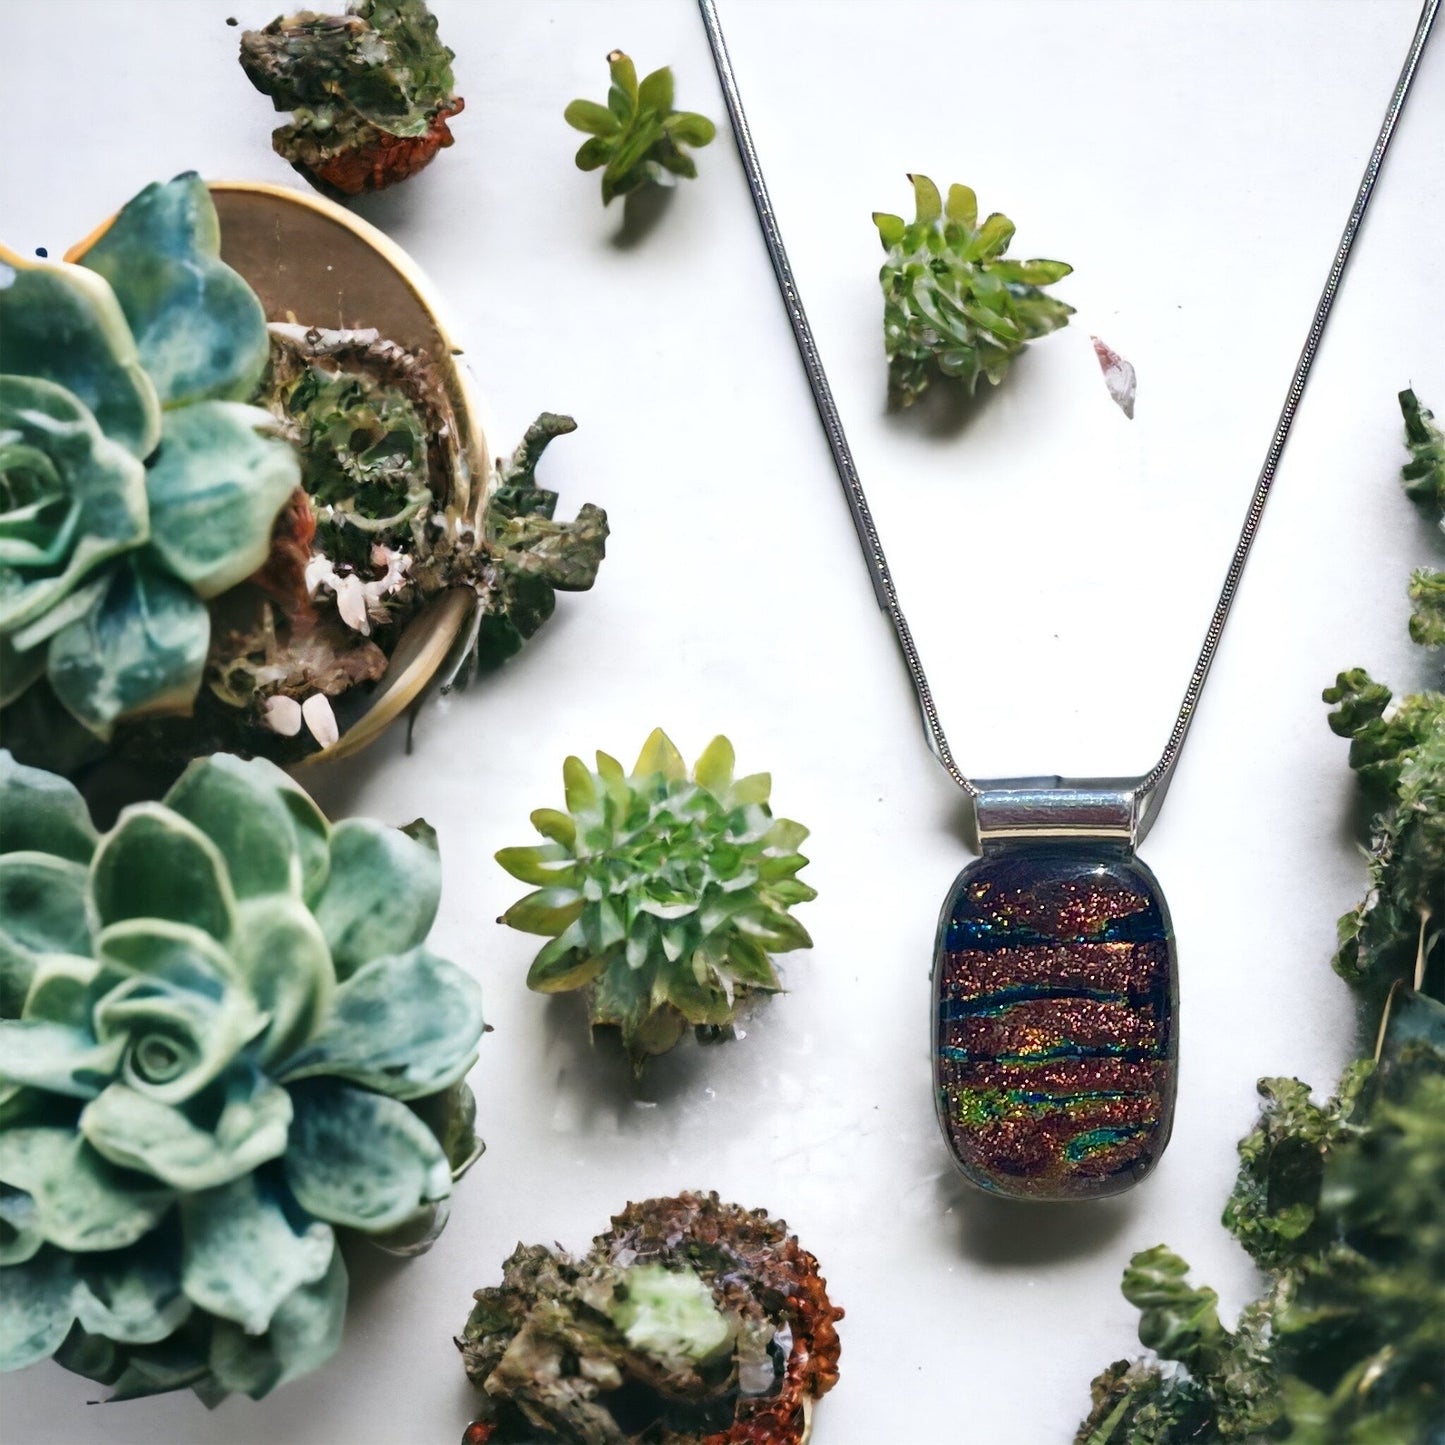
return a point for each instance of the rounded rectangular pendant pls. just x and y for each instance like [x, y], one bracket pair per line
[1055, 990]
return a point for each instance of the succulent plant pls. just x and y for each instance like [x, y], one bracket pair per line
[219, 535]
[391, 523]
[370, 92]
[690, 1322]
[1424, 477]
[952, 305]
[222, 1039]
[637, 138]
[135, 484]
[662, 894]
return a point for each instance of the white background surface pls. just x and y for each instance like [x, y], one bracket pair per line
[1195, 163]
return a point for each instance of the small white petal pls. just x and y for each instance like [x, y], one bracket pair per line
[1118, 376]
[318, 570]
[351, 603]
[282, 715]
[320, 720]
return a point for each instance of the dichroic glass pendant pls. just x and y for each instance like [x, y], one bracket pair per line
[1055, 989]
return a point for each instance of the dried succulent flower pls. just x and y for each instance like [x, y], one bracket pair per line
[952, 305]
[662, 894]
[370, 92]
[690, 1322]
[637, 138]
[222, 1038]
[134, 483]
[1339, 1203]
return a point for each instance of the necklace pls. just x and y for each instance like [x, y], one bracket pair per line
[1055, 974]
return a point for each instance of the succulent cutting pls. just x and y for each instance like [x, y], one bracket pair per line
[690, 1322]
[953, 305]
[637, 139]
[370, 92]
[1337, 1203]
[222, 1040]
[662, 893]
[216, 534]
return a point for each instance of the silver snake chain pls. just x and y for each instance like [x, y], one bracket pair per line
[1153, 783]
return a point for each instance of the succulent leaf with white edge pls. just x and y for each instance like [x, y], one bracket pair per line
[222, 1038]
[663, 894]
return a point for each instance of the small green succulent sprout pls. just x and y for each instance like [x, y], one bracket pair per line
[662, 894]
[637, 138]
[222, 1040]
[136, 482]
[952, 305]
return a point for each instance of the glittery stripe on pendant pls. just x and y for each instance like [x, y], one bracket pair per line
[1055, 990]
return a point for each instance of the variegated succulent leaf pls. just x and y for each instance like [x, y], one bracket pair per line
[953, 305]
[222, 1038]
[135, 484]
[637, 139]
[663, 893]
[370, 91]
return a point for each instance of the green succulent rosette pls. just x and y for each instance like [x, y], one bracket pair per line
[222, 1040]
[953, 306]
[637, 139]
[663, 894]
[136, 483]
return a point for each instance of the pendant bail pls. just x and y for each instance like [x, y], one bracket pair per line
[1013, 810]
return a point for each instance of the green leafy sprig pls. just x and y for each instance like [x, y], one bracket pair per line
[637, 138]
